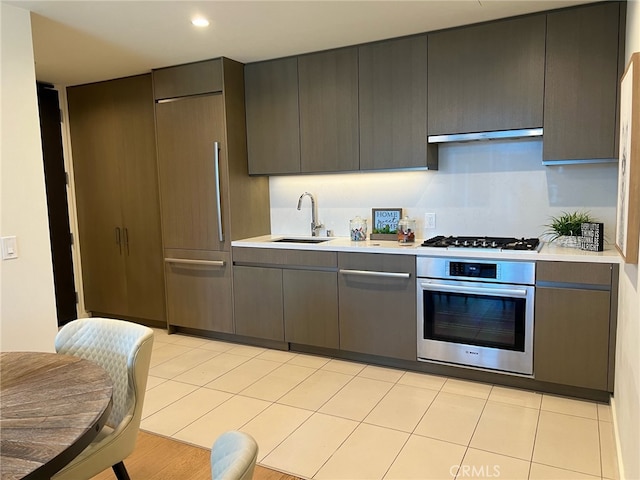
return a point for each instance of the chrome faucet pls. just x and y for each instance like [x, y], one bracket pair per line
[315, 224]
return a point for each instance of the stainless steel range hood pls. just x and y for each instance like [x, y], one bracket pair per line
[477, 136]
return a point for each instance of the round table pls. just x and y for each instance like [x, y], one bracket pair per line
[51, 407]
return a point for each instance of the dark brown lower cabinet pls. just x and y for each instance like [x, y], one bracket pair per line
[377, 304]
[286, 295]
[257, 299]
[199, 291]
[311, 308]
[574, 338]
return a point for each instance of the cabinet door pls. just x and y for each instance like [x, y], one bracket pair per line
[142, 236]
[257, 299]
[581, 87]
[113, 142]
[571, 340]
[188, 79]
[487, 77]
[377, 312]
[393, 105]
[311, 308]
[94, 128]
[186, 131]
[329, 111]
[199, 293]
[273, 121]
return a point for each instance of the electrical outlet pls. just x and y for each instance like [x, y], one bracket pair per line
[429, 220]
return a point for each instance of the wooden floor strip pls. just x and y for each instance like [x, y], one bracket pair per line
[160, 458]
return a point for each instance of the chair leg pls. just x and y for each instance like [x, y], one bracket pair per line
[121, 471]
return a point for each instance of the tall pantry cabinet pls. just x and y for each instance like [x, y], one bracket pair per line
[207, 198]
[114, 160]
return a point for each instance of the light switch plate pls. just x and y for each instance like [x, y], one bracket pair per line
[9, 248]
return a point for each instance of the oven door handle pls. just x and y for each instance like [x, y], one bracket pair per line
[496, 292]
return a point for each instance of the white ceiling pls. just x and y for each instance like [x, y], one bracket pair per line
[85, 41]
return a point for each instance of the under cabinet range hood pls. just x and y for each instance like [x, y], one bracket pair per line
[477, 136]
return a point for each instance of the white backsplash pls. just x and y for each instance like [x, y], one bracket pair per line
[493, 188]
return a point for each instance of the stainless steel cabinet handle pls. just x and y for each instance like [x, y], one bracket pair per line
[210, 263]
[368, 273]
[495, 292]
[118, 242]
[216, 158]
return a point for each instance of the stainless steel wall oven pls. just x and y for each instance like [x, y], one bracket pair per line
[476, 313]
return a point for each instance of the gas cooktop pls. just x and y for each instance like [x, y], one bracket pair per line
[485, 243]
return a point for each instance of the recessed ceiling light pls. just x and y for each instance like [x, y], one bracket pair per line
[200, 22]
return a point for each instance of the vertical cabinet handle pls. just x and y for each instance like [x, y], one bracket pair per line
[118, 242]
[126, 240]
[216, 159]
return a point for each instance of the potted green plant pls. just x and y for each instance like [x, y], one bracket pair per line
[567, 228]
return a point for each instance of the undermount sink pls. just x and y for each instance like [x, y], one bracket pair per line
[301, 240]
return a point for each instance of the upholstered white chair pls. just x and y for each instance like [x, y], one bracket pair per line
[233, 456]
[123, 349]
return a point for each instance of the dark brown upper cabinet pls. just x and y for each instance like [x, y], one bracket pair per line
[189, 79]
[585, 49]
[393, 105]
[328, 89]
[487, 77]
[273, 120]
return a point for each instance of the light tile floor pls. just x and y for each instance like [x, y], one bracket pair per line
[324, 418]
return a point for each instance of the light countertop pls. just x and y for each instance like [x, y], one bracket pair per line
[549, 251]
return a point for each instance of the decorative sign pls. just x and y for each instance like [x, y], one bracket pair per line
[385, 223]
[592, 238]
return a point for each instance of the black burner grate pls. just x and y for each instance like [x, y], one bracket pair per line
[491, 243]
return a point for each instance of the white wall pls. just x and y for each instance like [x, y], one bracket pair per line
[627, 385]
[27, 300]
[497, 188]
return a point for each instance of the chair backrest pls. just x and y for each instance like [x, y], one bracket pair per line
[233, 456]
[115, 345]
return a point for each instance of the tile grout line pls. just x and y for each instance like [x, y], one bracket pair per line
[600, 446]
[535, 439]
[474, 431]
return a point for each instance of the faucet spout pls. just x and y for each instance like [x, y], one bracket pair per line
[315, 224]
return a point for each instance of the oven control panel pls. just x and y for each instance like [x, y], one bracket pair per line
[474, 270]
